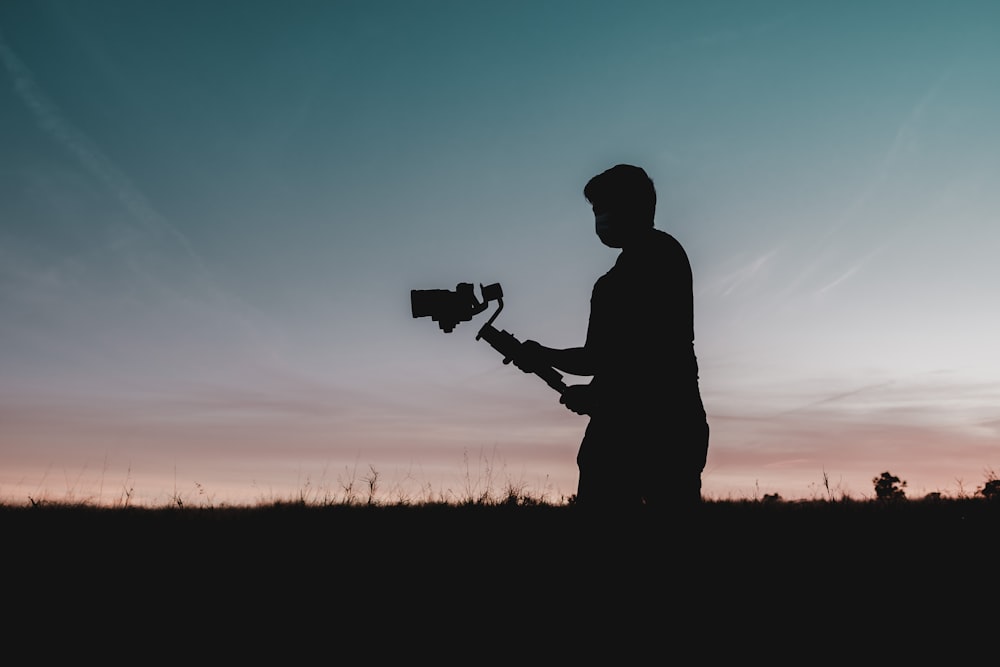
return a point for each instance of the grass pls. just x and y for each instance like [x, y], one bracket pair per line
[480, 488]
[479, 574]
[483, 481]
[491, 518]
[861, 524]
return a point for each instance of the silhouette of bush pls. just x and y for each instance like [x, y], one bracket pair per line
[888, 487]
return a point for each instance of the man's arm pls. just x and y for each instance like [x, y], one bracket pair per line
[572, 360]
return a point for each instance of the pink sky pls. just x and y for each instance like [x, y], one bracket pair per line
[243, 446]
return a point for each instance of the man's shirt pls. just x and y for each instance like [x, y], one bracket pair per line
[641, 329]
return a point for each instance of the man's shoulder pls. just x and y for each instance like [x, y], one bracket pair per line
[665, 239]
[657, 247]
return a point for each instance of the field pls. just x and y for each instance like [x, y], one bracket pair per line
[841, 570]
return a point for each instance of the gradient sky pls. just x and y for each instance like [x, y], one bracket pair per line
[212, 215]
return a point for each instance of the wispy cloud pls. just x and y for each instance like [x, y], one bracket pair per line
[51, 119]
[842, 396]
[848, 273]
[757, 28]
[732, 281]
[933, 430]
[148, 222]
[826, 268]
[904, 142]
[907, 135]
[839, 279]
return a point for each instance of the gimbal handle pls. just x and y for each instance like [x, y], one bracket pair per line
[510, 347]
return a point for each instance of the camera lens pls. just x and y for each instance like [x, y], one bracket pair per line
[422, 302]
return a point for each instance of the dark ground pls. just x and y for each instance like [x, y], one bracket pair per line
[735, 579]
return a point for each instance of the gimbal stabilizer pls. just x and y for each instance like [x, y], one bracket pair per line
[448, 308]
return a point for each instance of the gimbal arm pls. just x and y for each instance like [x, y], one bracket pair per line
[510, 347]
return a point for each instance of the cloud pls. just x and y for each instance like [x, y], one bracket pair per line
[932, 429]
[907, 135]
[729, 282]
[154, 252]
[905, 141]
[156, 227]
[839, 279]
[56, 125]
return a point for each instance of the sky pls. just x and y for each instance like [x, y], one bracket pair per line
[212, 215]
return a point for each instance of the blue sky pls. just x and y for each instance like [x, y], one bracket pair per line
[212, 214]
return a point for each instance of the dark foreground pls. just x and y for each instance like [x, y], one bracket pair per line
[742, 576]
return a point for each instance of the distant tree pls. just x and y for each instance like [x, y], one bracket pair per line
[889, 487]
[991, 489]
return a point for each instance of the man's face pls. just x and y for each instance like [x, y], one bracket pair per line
[609, 227]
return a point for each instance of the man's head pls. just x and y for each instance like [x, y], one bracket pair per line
[624, 203]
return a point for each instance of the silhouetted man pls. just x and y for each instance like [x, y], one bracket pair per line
[647, 439]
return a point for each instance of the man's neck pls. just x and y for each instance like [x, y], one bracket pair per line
[638, 238]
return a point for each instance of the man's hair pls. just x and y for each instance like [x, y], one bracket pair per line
[623, 188]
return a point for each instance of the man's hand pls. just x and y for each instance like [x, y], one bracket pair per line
[579, 398]
[531, 357]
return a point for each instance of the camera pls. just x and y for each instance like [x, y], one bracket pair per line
[449, 307]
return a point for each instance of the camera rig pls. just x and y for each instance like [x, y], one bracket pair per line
[450, 307]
